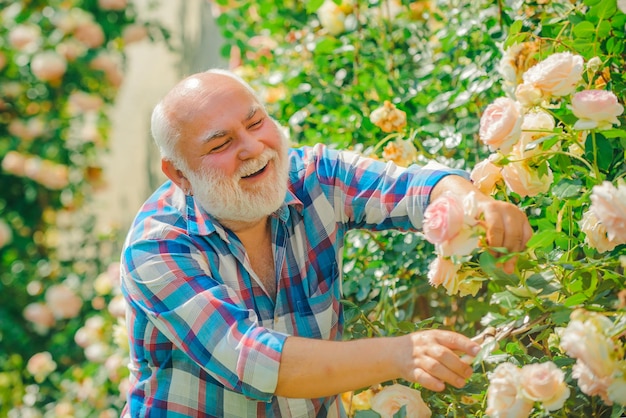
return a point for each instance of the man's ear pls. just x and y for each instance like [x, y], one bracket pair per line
[174, 174]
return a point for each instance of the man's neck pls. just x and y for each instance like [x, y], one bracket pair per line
[247, 231]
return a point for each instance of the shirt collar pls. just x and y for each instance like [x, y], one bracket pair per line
[199, 222]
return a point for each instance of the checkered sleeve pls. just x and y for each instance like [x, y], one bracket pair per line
[169, 280]
[367, 193]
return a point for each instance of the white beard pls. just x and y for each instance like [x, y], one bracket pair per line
[223, 198]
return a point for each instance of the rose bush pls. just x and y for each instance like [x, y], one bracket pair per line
[501, 92]
[57, 83]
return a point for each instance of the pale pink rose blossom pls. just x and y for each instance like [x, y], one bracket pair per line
[486, 175]
[596, 233]
[608, 202]
[528, 95]
[134, 33]
[14, 163]
[6, 234]
[71, 49]
[537, 124]
[466, 241]
[331, 17]
[503, 397]
[39, 314]
[110, 64]
[27, 130]
[590, 384]
[392, 398]
[585, 339]
[48, 66]
[544, 382]
[63, 301]
[113, 365]
[525, 180]
[117, 306]
[443, 218]
[442, 271]
[596, 109]
[501, 124]
[113, 4]
[90, 34]
[41, 365]
[557, 75]
[25, 37]
[81, 102]
[97, 352]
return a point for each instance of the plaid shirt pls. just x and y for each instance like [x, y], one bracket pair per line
[205, 338]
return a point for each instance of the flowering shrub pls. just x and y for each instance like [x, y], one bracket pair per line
[528, 98]
[61, 65]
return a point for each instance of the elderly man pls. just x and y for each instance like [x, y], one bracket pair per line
[232, 268]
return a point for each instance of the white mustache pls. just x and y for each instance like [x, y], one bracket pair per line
[252, 166]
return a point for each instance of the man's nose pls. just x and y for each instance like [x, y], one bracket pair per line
[250, 146]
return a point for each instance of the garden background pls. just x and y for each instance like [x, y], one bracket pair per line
[398, 80]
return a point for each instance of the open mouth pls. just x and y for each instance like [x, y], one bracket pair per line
[256, 173]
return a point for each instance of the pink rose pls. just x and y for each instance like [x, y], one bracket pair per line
[113, 4]
[557, 75]
[48, 66]
[41, 365]
[81, 102]
[596, 233]
[503, 400]
[63, 301]
[525, 180]
[609, 205]
[501, 124]
[443, 218]
[585, 339]
[544, 383]
[596, 109]
[71, 49]
[39, 314]
[390, 399]
[485, 175]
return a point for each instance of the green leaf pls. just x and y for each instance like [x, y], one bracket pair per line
[576, 299]
[401, 412]
[366, 414]
[567, 188]
[584, 30]
[542, 239]
[313, 5]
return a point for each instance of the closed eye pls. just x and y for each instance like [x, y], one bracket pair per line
[256, 124]
[220, 147]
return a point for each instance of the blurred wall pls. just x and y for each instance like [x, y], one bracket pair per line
[132, 168]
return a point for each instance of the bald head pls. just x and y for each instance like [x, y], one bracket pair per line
[184, 104]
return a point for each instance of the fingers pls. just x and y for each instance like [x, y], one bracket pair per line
[435, 361]
[506, 227]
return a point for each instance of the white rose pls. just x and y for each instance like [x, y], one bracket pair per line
[543, 382]
[608, 202]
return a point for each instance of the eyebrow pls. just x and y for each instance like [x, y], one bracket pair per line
[221, 132]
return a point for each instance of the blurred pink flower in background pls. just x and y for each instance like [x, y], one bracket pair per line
[596, 109]
[63, 301]
[41, 365]
[25, 38]
[39, 314]
[113, 4]
[6, 234]
[48, 66]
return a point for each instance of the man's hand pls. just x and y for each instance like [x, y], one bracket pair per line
[505, 224]
[433, 361]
